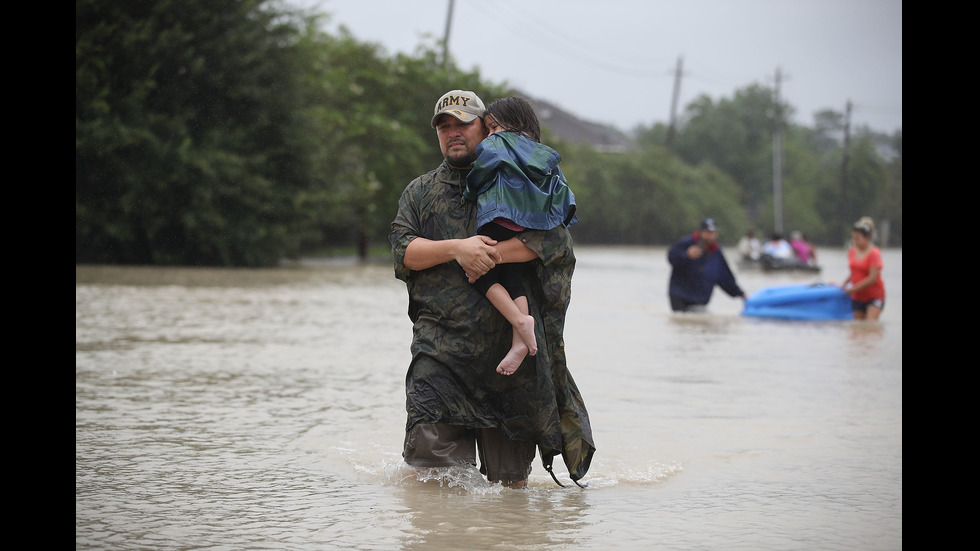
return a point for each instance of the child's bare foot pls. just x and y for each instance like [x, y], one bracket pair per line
[513, 359]
[526, 330]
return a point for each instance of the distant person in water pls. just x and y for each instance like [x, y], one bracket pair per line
[805, 252]
[864, 283]
[778, 248]
[698, 265]
[750, 247]
[517, 184]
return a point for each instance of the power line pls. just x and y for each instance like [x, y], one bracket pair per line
[551, 39]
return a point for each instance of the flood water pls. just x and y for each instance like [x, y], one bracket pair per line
[264, 409]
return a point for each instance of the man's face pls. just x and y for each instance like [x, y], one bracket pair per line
[458, 140]
[709, 237]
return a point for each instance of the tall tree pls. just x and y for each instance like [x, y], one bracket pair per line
[371, 115]
[182, 115]
[736, 135]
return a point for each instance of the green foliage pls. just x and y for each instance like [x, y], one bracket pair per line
[374, 134]
[237, 133]
[822, 195]
[646, 196]
[183, 112]
[736, 136]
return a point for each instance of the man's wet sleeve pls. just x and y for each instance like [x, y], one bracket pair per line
[552, 246]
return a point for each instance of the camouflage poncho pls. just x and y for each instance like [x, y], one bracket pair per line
[459, 337]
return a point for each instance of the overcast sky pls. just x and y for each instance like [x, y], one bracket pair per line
[613, 61]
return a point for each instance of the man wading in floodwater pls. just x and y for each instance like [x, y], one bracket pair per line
[457, 403]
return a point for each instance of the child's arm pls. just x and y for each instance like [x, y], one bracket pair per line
[514, 250]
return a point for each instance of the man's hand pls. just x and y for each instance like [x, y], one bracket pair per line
[694, 251]
[477, 255]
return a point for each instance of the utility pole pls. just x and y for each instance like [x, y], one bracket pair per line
[673, 103]
[845, 159]
[445, 40]
[777, 159]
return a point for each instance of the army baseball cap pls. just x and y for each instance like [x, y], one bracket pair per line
[462, 104]
[709, 225]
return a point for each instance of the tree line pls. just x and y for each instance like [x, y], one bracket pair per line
[239, 133]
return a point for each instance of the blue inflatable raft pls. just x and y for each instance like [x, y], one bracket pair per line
[816, 301]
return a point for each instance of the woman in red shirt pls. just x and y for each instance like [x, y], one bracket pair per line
[864, 284]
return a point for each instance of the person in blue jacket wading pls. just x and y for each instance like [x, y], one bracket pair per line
[698, 265]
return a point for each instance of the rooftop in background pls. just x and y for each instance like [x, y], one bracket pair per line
[568, 127]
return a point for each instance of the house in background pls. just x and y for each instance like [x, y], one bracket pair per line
[568, 127]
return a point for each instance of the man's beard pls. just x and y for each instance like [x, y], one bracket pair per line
[464, 160]
[457, 159]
